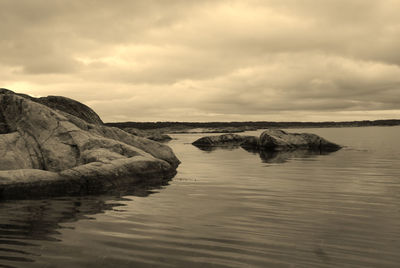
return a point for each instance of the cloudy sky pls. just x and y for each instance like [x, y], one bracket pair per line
[194, 60]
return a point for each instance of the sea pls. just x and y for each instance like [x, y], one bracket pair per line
[228, 207]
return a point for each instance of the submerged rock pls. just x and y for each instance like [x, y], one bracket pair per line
[51, 152]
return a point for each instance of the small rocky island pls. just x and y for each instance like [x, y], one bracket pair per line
[58, 146]
[270, 140]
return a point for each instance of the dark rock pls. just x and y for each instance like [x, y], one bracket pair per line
[220, 140]
[44, 148]
[250, 142]
[275, 139]
[270, 140]
[215, 148]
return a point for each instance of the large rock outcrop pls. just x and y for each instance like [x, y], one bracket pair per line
[72, 107]
[63, 104]
[49, 151]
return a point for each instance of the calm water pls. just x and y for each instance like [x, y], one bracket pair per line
[228, 208]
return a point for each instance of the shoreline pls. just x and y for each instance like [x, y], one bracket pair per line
[237, 127]
[259, 124]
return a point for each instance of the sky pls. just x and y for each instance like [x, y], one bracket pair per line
[207, 60]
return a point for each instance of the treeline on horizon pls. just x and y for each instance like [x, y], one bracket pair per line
[255, 124]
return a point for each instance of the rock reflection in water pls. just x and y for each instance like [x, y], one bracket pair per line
[213, 148]
[279, 157]
[276, 157]
[25, 224]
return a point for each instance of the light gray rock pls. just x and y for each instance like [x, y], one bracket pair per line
[72, 107]
[63, 104]
[41, 146]
[155, 135]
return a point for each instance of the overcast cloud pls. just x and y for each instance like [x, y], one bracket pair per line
[182, 60]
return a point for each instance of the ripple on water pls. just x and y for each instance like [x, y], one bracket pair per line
[228, 208]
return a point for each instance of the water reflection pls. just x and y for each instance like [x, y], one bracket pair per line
[279, 157]
[25, 224]
[273, 157]
[227, 209]
[214, 148]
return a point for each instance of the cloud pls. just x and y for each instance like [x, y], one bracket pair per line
[207, 60]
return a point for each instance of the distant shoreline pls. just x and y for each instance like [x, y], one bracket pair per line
[252, 124]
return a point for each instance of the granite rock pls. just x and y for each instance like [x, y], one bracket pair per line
[40, 145]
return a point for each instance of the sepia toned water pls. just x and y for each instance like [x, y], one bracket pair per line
[228, 208]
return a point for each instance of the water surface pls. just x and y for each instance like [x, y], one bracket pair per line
[228, 208]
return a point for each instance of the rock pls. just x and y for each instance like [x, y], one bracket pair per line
[64, 104]
[71, 106]
[159, 137]
[134, 131]
[215, 148]
[220, 140]
[154, 135]
[270, 140]
[250, 142]
[44, 150]
[275, 139]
